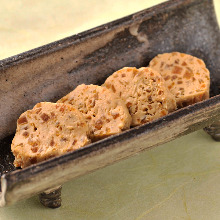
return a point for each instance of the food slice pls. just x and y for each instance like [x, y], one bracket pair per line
[104, 111]
[144, 93]
[48, 130]
[186, 76]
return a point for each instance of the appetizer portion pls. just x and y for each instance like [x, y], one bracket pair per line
[48, 130]
[185, 76]
[104, 111]
[129, 97]
[144, 93]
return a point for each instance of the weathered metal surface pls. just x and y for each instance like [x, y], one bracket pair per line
[49, 72]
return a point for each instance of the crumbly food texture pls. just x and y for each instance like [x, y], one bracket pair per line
[48, 130]
[185, 76]
[105, 113]
[144, 93]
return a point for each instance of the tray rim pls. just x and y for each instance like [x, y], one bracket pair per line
[130, 133]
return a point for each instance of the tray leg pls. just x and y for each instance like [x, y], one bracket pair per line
[214, 131]
[51, 198]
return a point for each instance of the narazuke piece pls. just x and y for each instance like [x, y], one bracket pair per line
[185, 76]
[104, 111]
[48, 130]
[143, 91]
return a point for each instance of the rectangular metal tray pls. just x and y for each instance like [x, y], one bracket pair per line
[49, 72]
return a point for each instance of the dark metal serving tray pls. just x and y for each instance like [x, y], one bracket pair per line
[49, 72]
